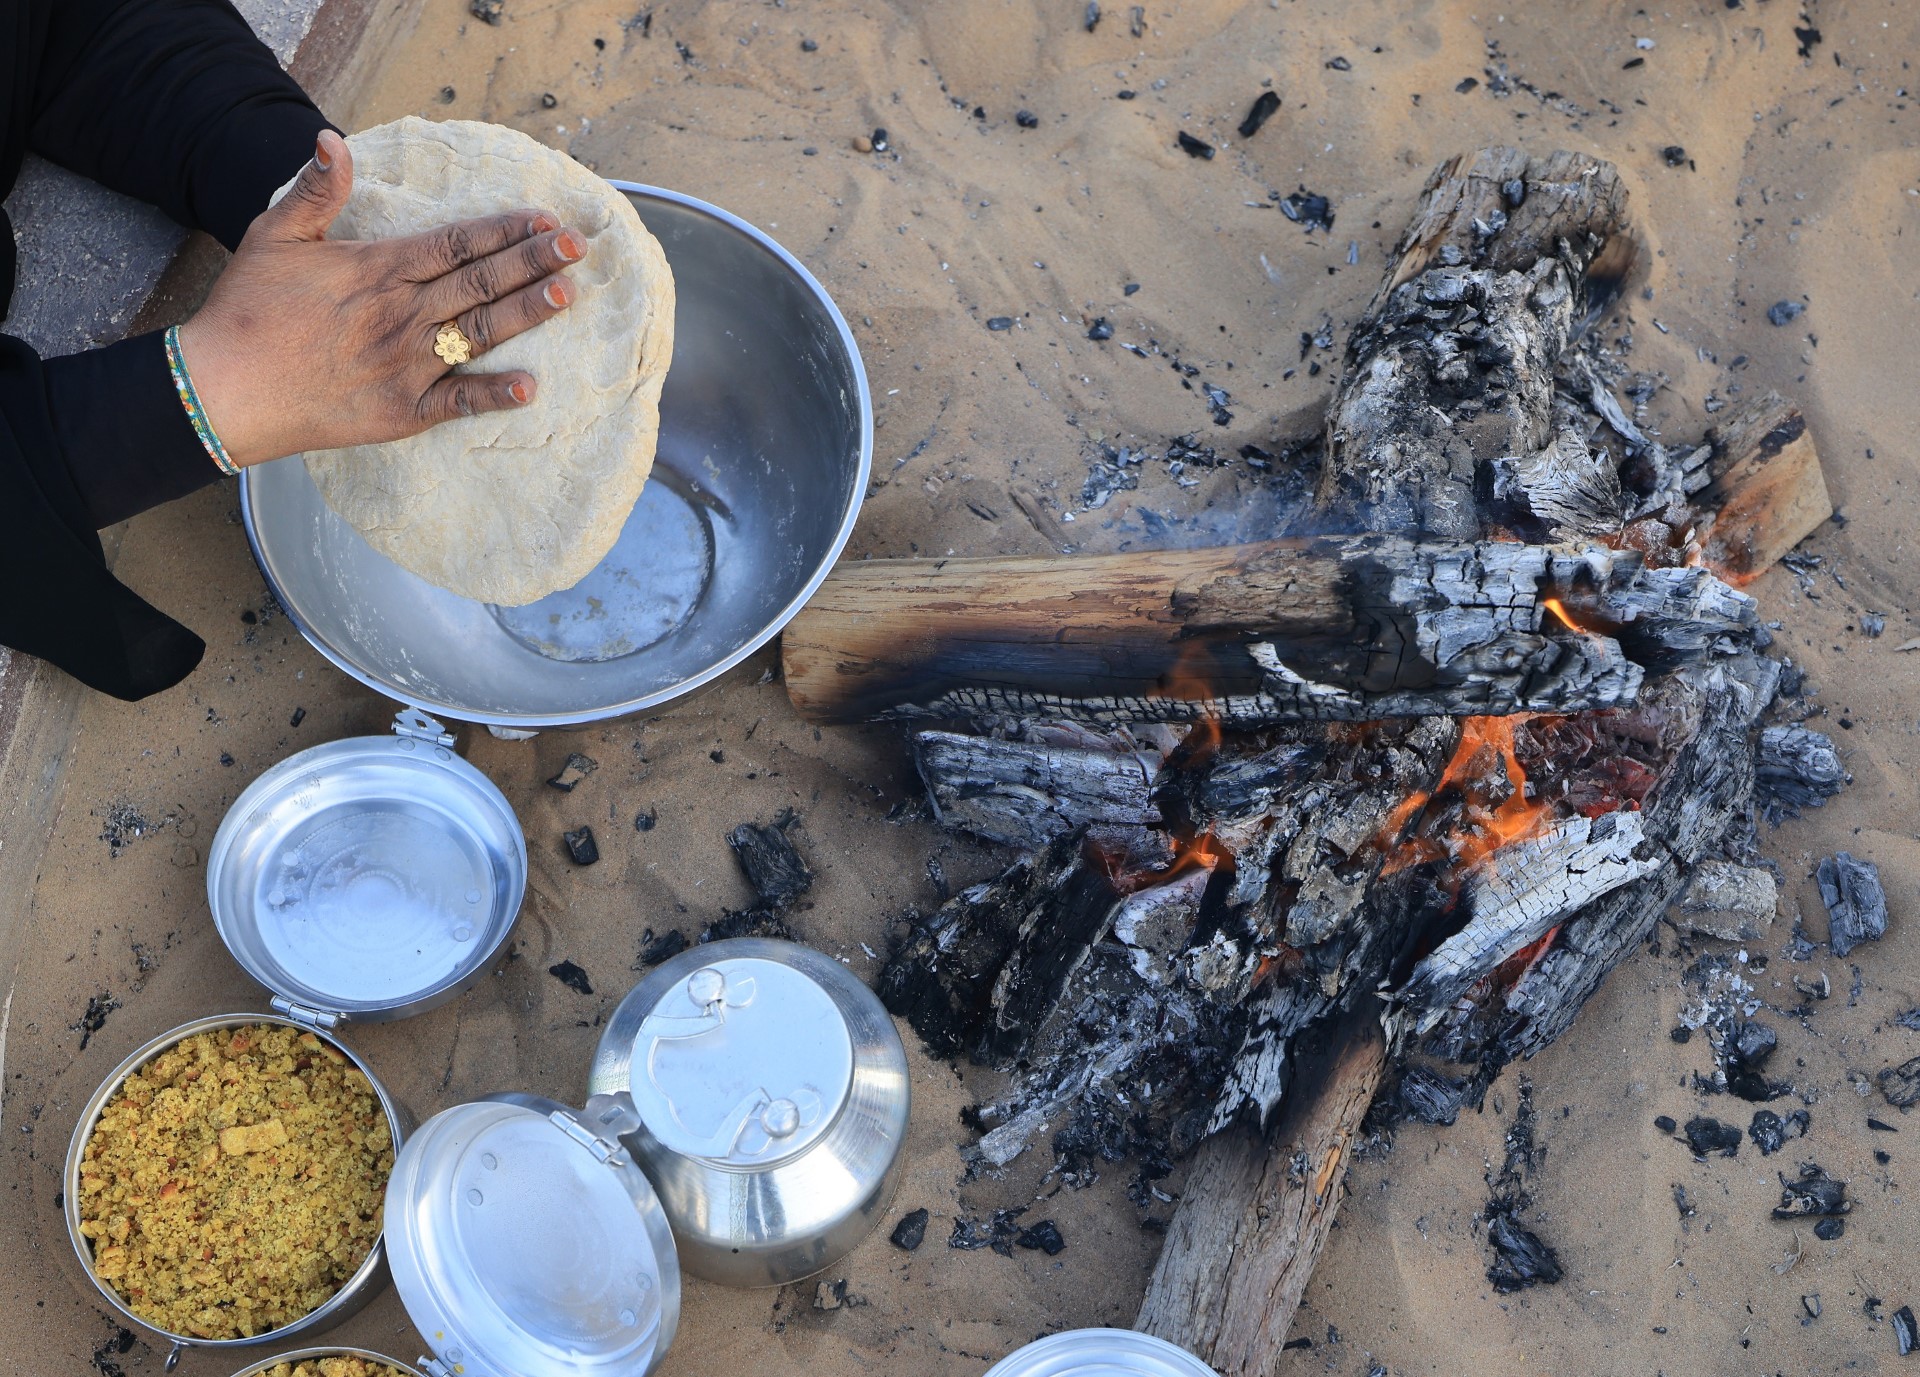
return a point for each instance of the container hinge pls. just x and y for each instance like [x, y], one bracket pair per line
[322, 1019]
[417, 726]
[604, 1152]
[433, 1367]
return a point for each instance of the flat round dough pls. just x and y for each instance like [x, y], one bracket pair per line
[513, 505]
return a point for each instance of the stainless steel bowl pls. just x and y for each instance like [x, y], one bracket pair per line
[300, 1355]
[763, 1090]
[766, 440]
[359, 1288]
[1100, 1353]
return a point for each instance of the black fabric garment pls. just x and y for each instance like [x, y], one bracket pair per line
[178, 103]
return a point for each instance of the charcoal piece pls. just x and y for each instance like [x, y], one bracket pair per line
[996, 1233]
[1192, 147]
[880, 141]
[94, 1017]
[1043, 1237]
[1901, 1084]
[750, 922]
[1880, 1127]
[1092, 19]
[809, 45]
[1872, 625]
[1813, 1192]
[1811, 1304]
[1771, 1132]
[1683, 1202]
[1264, 106]
[299, 716]
[1429, 1097]
[1784, 312]
[571, 976]
[1100, 329]
[776, 871]
[1339, 64]
[581, 845]
[910, 1232]
[1665, 1123]
[1910, 1019]
[1871, 1308]
[1752, 1043]
[647, 821]
[1856, 904]
[1308, 208]
[654, 950]
[1707, 1135]
[577, 768]
[1883, 1157]
[487, 11]
[1906, 1335]
[1746, 1049]
[1797, 767]
[1026, 119]
[1137, 21]
[1674, 155]
[1521, 1259]
[1829, 1229]
[997, 323]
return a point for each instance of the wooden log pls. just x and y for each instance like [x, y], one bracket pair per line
[1767, 492]
[1233, 1269]
[1334, 628]
[1026, 793]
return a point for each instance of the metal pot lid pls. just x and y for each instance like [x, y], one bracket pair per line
[743, 1063]
[525, 1244]
[369, 878]
[1100, 1353]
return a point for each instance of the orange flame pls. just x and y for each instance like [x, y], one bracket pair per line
[1485, 826]
[1559, 609]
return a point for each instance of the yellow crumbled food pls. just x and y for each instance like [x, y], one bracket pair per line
[234, 1183]
[344, 1365]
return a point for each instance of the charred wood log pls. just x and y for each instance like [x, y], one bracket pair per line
[1338, 628]
[1799, 768]
[1856, 903]
[1767, 492]
[1026, 793]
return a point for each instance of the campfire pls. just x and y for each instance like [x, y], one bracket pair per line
[1382, 798]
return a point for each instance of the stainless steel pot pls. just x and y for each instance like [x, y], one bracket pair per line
[1100, 1353]
[764, 1091]
[766, 441]
[359, 1288]
[300, 1355]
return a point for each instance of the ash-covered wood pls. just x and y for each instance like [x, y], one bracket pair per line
[1726, 900]
[1767, 492]
[1856, 903]
[1349, 628]
[777, 872]
[1026, 793]
[1798, 768]
[1901, 1084]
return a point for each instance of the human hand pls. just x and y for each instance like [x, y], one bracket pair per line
[310, 343]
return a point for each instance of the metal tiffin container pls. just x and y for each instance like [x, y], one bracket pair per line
[764, 1091]
[359, 881]
[1100, 1353]
[263, 1366]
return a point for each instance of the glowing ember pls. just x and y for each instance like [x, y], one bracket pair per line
[1486, 744]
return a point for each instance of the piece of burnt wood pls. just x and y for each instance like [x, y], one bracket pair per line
[1856, 903]
[1349, 628]
[1452, 365]
[1026, 793]
[1901, 1084]
[777, 872]
[1798, 768]
[1256, 1209]
[1767, 492]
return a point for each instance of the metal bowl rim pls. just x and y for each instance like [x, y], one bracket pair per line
[774, 626]
[321, 1314]
[225, 838]
[325, 1351]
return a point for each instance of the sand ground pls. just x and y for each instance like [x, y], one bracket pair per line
[1798, 180]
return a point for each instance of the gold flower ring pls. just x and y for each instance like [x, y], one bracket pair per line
[452, 345]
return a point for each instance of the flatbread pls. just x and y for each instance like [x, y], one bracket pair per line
[513, 505]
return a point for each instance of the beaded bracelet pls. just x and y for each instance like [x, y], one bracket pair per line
[190, 399]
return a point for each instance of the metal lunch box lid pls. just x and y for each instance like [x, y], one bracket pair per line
[524, 1243]
[265, 1365]
[1100, 1353]
[368, 879]
[744, 1063]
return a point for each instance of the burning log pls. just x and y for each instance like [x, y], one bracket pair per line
[1349, 628]
[1026, 793]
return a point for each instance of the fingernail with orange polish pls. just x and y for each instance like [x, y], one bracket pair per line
[558, 293]
[517, 389]
[572, 247]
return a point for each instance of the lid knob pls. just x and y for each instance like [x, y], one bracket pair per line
[781, 1119]
[707, 986]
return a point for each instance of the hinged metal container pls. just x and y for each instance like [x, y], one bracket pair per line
[764, 1090]
[359, 881]
[1100, 1353]
[262, 1366]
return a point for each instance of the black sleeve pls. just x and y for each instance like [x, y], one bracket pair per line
[174, 102]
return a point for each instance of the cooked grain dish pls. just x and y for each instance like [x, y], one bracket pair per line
[234, 1182]
[343, 1366]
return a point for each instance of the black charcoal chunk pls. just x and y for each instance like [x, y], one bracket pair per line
[1683, 1202]
[1798, 767]
[1811, 1304]
[1137, 21]
[1044, 1236]
[647, 821]
[1308, 208]
[1901, 1084]
[751, 922]
[1813, 1192]
[1747, 1047]
[1707, 1135]
[1872, 625]
[1100, 329]
[1026, 119]
[1906, 1335]
[1910, 1019]
[299, 716]
[1829, 1229]
[1429, 1097]
[1339, 64]
[910, 1232]
[1262, 110]
[777, 872]
[577, 768]
[654, 950]
[996, 1233]
[880, 141]
[1192, 147]
[1521, 1259]
[1674, 155]
[1879, 1127]
[1784, 312]
[487, 11]
[581, 845]
[1092, 18]
[999, 322]
[809, 45]
[1771, 1132]
[1665, 1123]
[1856, 904]
[572, 977]
[1752, 1043]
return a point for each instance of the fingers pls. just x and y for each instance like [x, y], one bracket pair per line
[499, 321]
[470, 394]
[452, 248]
[316, 195]
[499, 275]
